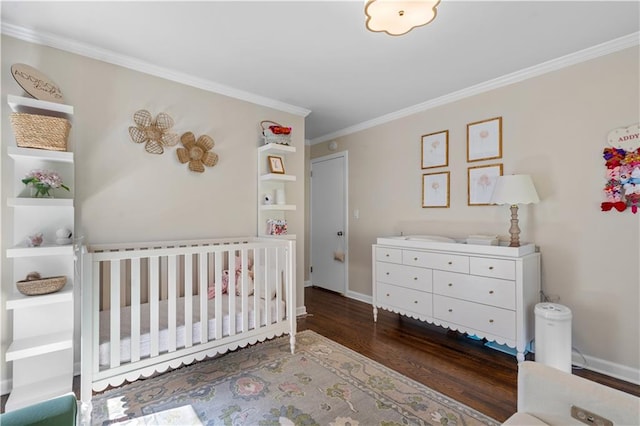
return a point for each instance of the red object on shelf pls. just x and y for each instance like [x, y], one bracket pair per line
[280, 130]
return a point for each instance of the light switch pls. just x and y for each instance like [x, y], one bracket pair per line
[356, 214]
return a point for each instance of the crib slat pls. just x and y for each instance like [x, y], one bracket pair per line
[245, 291]
[270, 280]
[259, 280]
[95, 344]
[232, 295]
[202, 296]
[188, 297]
[217, 304]
[135, 310]
[171, 283]
[279, 269]
[154, 311]
[115, 314]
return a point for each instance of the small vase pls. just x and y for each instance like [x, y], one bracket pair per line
[42, 193]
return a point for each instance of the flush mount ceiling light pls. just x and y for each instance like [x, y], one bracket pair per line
[397, 17]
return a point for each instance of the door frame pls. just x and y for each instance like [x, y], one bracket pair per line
[345, 163]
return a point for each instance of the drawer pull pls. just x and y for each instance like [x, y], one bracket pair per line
[387, 254]
[415, 278]
[415, 301]
[450, 285]
[491, 268]
[450, 310]
[490, 291]
[387, 273]
[387, 294]
[491, 321]
[450, 263]
[415, 258]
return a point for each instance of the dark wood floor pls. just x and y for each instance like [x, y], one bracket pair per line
[448, 362]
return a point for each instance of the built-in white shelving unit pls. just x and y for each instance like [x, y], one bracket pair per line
[272, 183]
[41, 352]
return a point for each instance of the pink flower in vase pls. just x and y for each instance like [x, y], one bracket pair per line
[43, 181]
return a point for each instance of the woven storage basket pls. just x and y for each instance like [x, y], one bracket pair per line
[40, 131]
[41, 286]
[270, 137]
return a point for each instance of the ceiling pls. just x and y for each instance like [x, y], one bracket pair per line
[317, 55]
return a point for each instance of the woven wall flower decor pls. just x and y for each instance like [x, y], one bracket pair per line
[197, 152]
[154, 133]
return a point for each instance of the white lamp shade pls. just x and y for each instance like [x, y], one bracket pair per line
[514, 189]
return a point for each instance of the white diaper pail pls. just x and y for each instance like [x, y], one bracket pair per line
[553, 336]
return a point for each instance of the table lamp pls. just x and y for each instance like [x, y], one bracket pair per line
[514, 190]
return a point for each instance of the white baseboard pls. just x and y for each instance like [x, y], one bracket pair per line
[301, 310]
[359, 296]
[308, 284]
[608, 368]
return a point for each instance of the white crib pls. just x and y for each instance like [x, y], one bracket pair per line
[163, 316]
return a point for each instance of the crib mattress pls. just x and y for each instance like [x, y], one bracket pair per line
[163, 335]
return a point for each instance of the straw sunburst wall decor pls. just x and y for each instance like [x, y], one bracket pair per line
[197, 152]
[154, 134]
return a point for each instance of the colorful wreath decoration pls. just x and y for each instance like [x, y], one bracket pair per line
[197, 152]
[154, 133]
[623, 179]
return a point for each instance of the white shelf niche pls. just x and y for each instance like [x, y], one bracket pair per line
[43, 250]
[23, 396]
[276, 148]
[39, 202]
[18, 153]
[35, 106]
[39, 345]
[19, 300]
[277, 177]
[278, 207]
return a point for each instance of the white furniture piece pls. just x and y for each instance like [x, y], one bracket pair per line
[486, 291]
[548, 396]
[146, 307]
[271, 185]
[42, 350]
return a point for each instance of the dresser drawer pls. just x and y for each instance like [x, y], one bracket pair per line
[404, 299]
[488, 291]
[446, 262]
[495, 321]
[405, 276]
[384, 254]
[496, 268]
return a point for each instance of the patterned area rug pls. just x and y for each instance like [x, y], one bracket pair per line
[323, 383]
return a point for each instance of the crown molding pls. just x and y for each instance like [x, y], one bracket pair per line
[111, 57]
[515, 77]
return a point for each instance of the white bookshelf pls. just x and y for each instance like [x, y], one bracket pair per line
[42, 342]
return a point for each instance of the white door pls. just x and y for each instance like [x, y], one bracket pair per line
[329, 222]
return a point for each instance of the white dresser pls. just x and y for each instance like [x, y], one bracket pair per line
[487, 291]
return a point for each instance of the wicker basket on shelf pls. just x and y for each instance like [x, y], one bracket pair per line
[37, 287]
[273, 132]
[40, 131]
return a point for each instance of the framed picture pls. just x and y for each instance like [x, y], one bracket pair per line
[484, 139]
[435, 149]
[481, 181]
[275, 164]
[435, 189]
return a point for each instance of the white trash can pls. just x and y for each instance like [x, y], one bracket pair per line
[553, 336]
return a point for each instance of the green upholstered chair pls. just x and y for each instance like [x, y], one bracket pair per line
[54, 412]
